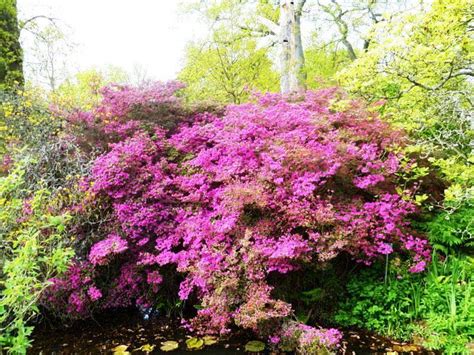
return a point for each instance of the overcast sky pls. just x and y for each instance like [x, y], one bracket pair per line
[148, 33]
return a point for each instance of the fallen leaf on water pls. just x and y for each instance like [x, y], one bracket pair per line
[194, 343]
[209, 340]
[406, 348]
[169, 345]
[254, 346]
[147, 348]
[121, 350]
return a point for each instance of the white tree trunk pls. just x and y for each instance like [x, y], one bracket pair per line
[285, 48]
[292, 77]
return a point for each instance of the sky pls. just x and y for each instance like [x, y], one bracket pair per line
[150, 34]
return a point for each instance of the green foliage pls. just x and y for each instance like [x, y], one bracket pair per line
[435, 309]
[227, 72]
[11, 54]
[34, 249]
[39, 178]
[420, 64]
[83, 91]
[24, 120]
[451, 231]
[194, 343]
[234, 59]
[169, 345]
[254, 346]
[322, 63]
[384, 307]
[448, 305]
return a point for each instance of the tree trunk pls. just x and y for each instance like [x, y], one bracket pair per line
[11, 54]
[292, 78]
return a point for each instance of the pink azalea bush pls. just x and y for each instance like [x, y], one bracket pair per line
[305, 339]
[228, 200]
[125, 110]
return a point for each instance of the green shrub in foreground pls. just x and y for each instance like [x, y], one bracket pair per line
[435, 309]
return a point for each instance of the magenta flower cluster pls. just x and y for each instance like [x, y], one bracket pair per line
[123, 111]
[103, 250]
[229, 200]
[305, 339]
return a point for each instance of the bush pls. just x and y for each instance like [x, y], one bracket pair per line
[434, 310]
[223, 203]
[38, 184]
[33, 249]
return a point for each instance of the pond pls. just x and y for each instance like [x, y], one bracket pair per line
[104, 333]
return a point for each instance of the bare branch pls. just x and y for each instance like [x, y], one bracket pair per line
[37, 17]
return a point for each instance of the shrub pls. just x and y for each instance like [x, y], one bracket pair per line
[123, 111]
[434, 309]
[228, 201]
[33, 249]
[39, 180]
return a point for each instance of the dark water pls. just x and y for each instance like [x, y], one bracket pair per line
[104, 333]
[101, 335]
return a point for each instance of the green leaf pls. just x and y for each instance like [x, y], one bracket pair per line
[121, 350]
[147, 348]
[169, 345]
[209, 340]
[255, 346]
[55, 220]
[194, 343]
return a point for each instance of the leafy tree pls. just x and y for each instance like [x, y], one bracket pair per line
[274, 22]
[415, 62]
[422, 67]
[351, 22]
[83, 90]
[322, 64]
[50, 55]
[11, 54]
[227, 73]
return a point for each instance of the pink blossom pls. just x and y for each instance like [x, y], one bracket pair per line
[94, 293]
[230, 200]
[102, 250]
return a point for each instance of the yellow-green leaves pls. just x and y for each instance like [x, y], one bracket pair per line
[147, 348]
[227, 73]
[169, 345]
[121, 350]
[194, 343]
[255, 346]
[34, 249]
[209, 340]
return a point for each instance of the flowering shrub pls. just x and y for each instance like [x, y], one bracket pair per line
[226, 201]
[307, 340]
[125, 110]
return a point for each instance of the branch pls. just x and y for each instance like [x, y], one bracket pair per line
[451, 75]
[272, 26]
[34, 18]
[299, 7]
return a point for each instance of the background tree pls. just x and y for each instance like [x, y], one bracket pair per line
[83, 91]
[227, 72]
[271, 24]
[291, 56]
[11, 54]
[416, 62]
[322, 61]
[50, 54]
[351, 22]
